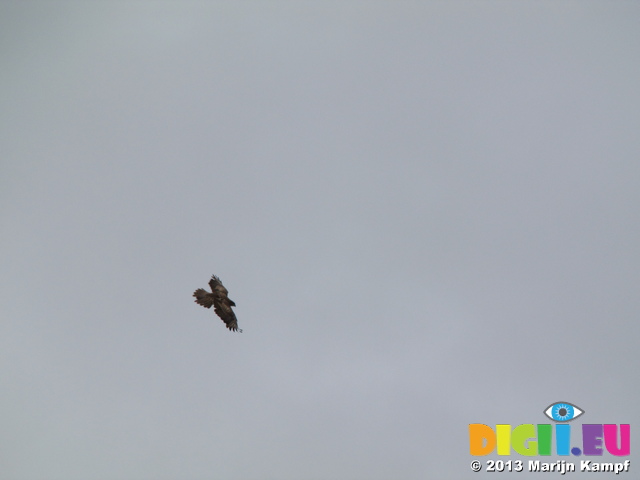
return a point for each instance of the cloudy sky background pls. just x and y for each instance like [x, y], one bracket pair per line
[426, 212]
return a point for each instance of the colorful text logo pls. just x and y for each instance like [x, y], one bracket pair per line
[530, 440]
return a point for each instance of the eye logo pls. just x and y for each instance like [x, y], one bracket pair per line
[563, 412]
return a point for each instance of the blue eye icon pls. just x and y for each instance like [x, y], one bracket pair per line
[563, 411]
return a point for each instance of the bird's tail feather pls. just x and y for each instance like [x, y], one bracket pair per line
[203, 298]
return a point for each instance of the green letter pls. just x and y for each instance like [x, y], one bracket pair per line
[522, 434]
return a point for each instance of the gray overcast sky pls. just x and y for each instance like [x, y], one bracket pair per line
[427, 214]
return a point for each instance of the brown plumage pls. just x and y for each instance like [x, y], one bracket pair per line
[220, 301]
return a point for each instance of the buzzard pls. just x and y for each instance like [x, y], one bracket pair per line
[221, 302]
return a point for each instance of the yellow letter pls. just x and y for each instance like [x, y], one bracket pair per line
[504, 436]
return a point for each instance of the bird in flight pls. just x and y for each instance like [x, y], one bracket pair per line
[221, 302]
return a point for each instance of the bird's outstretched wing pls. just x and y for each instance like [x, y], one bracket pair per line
[217, 287]
[225, 312]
